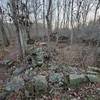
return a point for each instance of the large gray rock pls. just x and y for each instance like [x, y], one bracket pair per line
[18, 71]
[57, 78]
[38, 56]
[93, 74]
[76, 80]
[94, 78]
[98, 91]
[74, 70]
[94, 69]
[40, 83]
[15, 84]
[3, 95]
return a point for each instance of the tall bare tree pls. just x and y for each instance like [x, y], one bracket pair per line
[36, 4]
[78, 15]
[48, 19]
[68, 13]
[72, 33]
[2, 29]
[20, 17]
[58, 13]
[97, 7]
[44, 14]
[64, 12]
[86, 7]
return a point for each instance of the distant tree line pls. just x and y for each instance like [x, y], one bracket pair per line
[55, 15]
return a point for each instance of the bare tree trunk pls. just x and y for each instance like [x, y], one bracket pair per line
[48, 20]
[4, 36]
[78, 13]
[27, 26]
[97, 7]
[28, 33]
[36, 24]
[15, 12]
[64, 12]
[58, 20]
[44, 27]
[68, 14]
[84, 15]
[72, 33]
[35, 11]
[58, 14]
[20, 41]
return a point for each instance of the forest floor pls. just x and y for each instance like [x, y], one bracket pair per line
[61, 55]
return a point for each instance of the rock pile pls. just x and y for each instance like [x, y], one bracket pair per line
[42, 78]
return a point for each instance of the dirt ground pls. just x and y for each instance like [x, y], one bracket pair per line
[69, 55]
[75, 55]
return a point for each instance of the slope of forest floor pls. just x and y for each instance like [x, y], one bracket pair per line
[54, 72]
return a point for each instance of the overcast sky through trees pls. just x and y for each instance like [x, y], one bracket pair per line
[54, 13]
